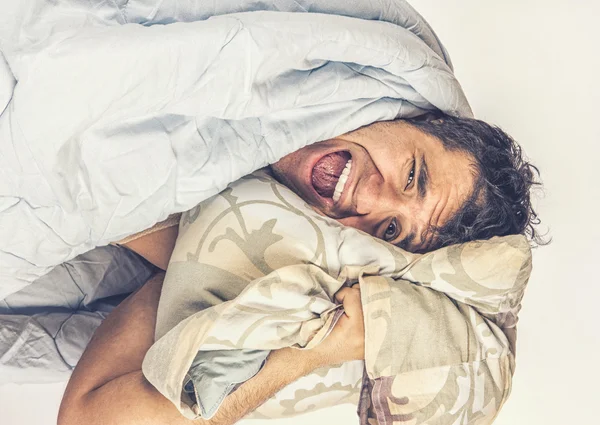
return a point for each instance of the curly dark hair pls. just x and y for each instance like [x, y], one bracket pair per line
[500, 203]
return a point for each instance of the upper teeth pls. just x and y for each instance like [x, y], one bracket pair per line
[339, 187]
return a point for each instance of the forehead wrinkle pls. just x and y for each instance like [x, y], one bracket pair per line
[427, 229]
[443, 210]
[437, 212]
[404, 244]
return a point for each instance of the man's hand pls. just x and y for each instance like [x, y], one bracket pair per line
[347, 339]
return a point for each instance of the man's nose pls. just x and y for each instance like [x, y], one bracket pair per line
[377, 197]
[374, 204]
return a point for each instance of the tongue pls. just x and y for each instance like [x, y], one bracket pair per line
[327, 171]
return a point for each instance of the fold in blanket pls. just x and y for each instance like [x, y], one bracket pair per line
[117, 122]
[7, 83]
[45, 327]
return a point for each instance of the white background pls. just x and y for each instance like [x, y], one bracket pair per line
[532, 67]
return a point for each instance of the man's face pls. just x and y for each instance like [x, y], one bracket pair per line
[400, 182]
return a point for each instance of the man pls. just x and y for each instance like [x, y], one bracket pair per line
[420, 184]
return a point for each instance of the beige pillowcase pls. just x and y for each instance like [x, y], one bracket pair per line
[257, 244]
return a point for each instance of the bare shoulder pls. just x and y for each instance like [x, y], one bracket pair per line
[156, 247]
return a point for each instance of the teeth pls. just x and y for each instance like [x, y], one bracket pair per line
[339, 187]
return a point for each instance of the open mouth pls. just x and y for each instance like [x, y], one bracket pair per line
[330, 174]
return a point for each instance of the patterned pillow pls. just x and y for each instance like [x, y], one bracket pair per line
[425, 315]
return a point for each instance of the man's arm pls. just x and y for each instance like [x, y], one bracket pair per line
[155, 247]
[108, 387]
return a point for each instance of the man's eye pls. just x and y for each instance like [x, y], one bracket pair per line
[391, 232]
[411, 175]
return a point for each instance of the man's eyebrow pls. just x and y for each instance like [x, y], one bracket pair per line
[423, 178]
[422, 181]
[404, 243]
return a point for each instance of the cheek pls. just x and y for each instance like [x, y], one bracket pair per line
[392, 152]
[283, 171]
[357, 223]
[279, 170]
[290, 164]
[287, 160]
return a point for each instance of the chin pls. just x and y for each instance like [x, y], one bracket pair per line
[284, 174]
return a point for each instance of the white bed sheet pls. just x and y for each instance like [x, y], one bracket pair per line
[7, 83]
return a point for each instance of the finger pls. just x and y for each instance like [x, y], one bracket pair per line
[356, 286]
[352, 304]
[341, 294]
[344, 291]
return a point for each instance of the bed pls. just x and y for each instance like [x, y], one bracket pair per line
[64, 189]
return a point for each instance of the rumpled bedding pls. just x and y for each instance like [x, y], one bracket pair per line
[7, 83]
[255, 269]
[115, 115]
[46, 326]
[121, 113]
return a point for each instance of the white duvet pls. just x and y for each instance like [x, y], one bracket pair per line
[125, 112]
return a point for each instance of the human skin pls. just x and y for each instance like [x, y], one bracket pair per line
[385, 195]
[388, 195]
[402, 183]
[108, 387]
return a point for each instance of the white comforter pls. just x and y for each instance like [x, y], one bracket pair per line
[117, 114]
